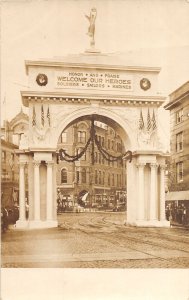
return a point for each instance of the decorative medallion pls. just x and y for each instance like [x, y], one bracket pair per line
[42, 79]
[145, 84]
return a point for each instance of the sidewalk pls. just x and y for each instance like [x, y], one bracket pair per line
[176, 224]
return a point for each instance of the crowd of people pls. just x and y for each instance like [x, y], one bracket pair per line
[177, 213]
[9, 215]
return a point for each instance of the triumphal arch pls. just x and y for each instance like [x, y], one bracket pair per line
[92, 85]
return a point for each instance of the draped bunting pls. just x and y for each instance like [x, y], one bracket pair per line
[62, 155]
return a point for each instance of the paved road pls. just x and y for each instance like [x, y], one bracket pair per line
[96, 240]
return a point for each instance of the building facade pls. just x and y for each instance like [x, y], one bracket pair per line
[104, 182]
[11, 133]
[9, 174]
[179, 161]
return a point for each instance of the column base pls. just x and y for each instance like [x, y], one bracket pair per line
[150, 223]
[21, 224]
[42, 224]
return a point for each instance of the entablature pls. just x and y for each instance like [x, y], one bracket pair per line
[73, 98]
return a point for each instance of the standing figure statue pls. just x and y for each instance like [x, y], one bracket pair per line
[91, 29]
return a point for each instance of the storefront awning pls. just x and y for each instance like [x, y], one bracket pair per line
[179, 195]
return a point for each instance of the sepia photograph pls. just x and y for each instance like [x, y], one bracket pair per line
[94, 149]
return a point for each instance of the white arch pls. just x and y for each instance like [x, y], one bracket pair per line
[126, 130]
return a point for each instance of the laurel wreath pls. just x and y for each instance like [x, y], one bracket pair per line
[42, 79]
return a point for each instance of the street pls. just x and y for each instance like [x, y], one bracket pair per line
[95, 240]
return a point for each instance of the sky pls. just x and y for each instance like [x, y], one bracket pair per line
[151, 32]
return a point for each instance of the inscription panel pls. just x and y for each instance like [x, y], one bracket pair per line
[105, 81]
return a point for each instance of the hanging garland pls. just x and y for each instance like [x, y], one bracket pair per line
[71, 158]
[62, 155]
[112, 158]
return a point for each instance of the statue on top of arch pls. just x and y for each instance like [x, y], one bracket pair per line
[91, 29]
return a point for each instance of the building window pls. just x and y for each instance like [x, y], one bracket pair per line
[100, 177]
[102, 141]
[103, 178]
[64, 137]
[179, 141]
[83, 176]
[179, 167]
[77, 176]
[99, 158]
[179, 116]
[64, 176]
[113, 182]
[108, 144]
[109, 179]
[96, 177]
[12, 157]
[81, 137]
[118, 184]
[3, 156]
[119, 148]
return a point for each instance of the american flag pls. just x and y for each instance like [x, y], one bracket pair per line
[154, 126]
[48, 116]
[141, 121]
[34, 117]
[42, 116]
[148, 121]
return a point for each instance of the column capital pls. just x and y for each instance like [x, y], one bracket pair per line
[141, 165]
[49, 163]
[22, 164]
[36, 163]
[153, 165]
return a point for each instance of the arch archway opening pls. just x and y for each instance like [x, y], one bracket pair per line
[105, 180]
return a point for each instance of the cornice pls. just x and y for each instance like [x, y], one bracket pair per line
[63, 64]
[176, 102]
[55, 97]
[150, 152]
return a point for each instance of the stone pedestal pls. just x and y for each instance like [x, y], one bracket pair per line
[42, 224]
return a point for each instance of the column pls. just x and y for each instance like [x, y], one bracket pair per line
[140, 206]
[162, 192]
[22, 216]
[49, 203]
[36, 191]
[153, 191]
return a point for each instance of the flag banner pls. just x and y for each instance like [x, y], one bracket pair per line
[48, 116]
[34, 117]
[141, 121]
[154, 126]
[148, 121]
[42, 116]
